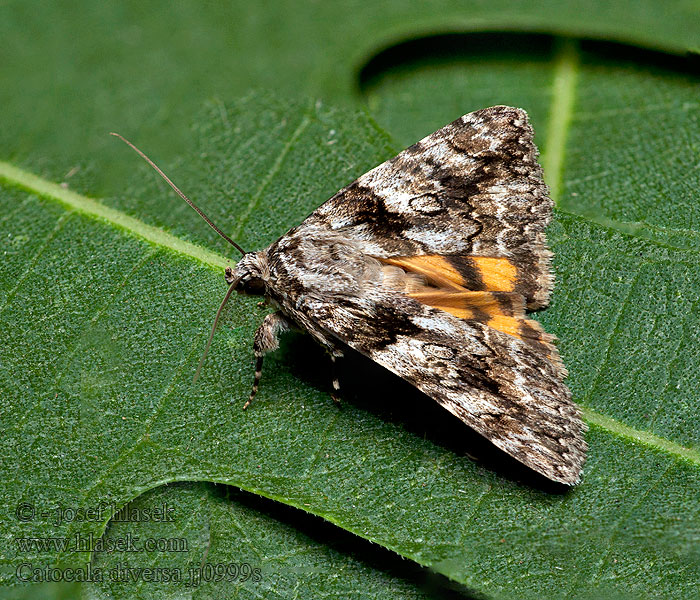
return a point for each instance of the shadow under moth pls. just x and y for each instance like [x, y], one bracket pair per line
[427, 264]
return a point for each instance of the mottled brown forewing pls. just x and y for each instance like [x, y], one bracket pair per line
[427, 264]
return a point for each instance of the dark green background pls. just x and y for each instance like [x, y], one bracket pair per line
[260, 111]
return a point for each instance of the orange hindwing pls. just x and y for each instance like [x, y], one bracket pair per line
[479, 288]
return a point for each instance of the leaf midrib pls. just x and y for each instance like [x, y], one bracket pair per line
[566, 65]
[32, 183]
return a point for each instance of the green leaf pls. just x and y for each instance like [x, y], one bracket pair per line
[107, 329]
[223, 542]
[95, 67]
[104, 329]
[620, 139]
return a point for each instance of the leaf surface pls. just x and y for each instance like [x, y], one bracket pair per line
[107, 312]
[100, 376]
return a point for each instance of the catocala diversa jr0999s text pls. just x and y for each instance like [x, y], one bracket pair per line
[426, 264]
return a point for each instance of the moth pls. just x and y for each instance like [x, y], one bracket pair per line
[427, 265]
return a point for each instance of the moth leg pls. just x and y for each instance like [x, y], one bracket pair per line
[335, 355]
[266, 340]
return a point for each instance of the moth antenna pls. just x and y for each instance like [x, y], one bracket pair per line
[200, 212]
[211, 335]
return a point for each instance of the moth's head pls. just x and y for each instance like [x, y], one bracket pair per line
[250, 275]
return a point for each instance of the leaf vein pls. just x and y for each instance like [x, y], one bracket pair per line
[92, 321]
[34, 184]
[669, 371]
[33, 260]
[611, 336]
[566, 66]
[274, 169]
[611, 539]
